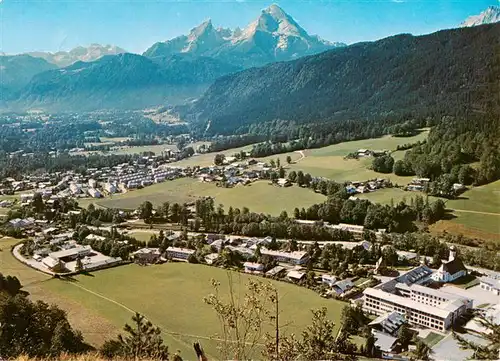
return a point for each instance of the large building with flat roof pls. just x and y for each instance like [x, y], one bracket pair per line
[423, 306]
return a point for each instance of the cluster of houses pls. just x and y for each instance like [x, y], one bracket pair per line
[360, 187]
[231, 174]
[95, 182]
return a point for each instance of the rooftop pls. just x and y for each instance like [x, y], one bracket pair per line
[71, 252]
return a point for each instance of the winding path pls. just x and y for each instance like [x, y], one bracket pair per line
[302, 155]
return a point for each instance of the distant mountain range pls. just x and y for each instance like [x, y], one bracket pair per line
[400, 77]
[489, 16]
[123, 81]
[168, 73]
[181, 69]
[80, 53]
[273, 36]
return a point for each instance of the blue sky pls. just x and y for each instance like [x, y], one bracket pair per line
[52, 25]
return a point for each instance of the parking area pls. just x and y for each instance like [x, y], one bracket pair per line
[476, 293]
[448, 349]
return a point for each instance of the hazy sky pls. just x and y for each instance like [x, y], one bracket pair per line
[52, 25]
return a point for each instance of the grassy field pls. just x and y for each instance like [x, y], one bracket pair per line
[476, 213]
[157, 149]
[170, 295]
[481, 199]
[384, 196]
[207, 159]
[329, 161]
[255, 196]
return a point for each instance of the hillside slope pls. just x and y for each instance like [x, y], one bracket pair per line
[16, 71]
[395, 78]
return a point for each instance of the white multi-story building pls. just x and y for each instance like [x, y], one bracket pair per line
[420, 305]
[179, 253]
[490, 284]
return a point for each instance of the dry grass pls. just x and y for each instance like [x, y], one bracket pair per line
[454, 228]
[91, 356]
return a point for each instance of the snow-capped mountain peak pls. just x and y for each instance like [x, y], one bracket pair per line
[488, 16]
[273, 35]
[80, 53]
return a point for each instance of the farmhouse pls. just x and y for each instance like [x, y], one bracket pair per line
[179, 253]
[340, 287]
[276, 271]
[450, 270]
[22, 223]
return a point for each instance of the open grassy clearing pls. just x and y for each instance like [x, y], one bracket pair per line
[142, 234]
[329, 161]
[469, 225]
[480, 199]
[171, 296]
[386, 142]
[476, 213]
[157, 149]
[207, 159]
[259, 196]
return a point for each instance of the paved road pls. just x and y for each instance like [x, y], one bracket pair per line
[476, 212]
[30, 262]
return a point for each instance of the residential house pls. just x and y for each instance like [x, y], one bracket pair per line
[341, 287]
[252, 267]
[94, 193]
[388, 323]
[328, 279]
[295, 275]
[54, 264]
[276, 271]
[210, 258]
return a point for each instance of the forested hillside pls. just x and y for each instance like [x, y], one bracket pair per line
[399, 78]
[124, 81]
